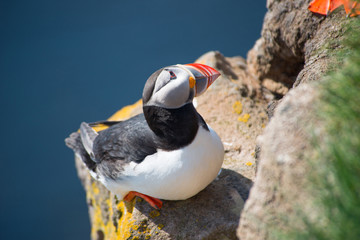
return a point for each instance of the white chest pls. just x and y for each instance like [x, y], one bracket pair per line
[174, 175]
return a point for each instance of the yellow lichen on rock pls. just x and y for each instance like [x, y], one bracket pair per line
[99, 127]
[125, 222]
[244, 118]
[96, 218]
[237, 107]
[116, 212]
[95, 188]
[125, 112]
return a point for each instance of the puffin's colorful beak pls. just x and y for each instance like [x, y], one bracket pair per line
[204, 77]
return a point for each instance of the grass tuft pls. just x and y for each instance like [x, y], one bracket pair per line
[339, 110]
[335, 174]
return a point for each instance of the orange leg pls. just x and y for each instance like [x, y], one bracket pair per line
[154, 202]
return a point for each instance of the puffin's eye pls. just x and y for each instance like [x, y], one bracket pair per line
[172, 75]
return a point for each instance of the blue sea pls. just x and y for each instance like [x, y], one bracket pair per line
[64, 62]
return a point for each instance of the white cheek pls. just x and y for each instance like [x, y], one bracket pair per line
[172, 95]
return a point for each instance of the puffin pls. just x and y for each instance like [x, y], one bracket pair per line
[167, 152]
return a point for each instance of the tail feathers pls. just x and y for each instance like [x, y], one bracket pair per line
[74, 142]
[88, 136]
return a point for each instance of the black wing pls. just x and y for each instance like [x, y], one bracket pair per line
[129, 140]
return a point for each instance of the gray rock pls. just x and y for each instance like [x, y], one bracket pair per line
[280, 182]
[291, 48]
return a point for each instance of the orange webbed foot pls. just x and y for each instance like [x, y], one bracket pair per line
[154, 202]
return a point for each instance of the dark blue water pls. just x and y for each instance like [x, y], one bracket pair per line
[63, 62]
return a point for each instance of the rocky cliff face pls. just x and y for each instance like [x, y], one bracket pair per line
[295, 51]
[289, 54]
[292, 49]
